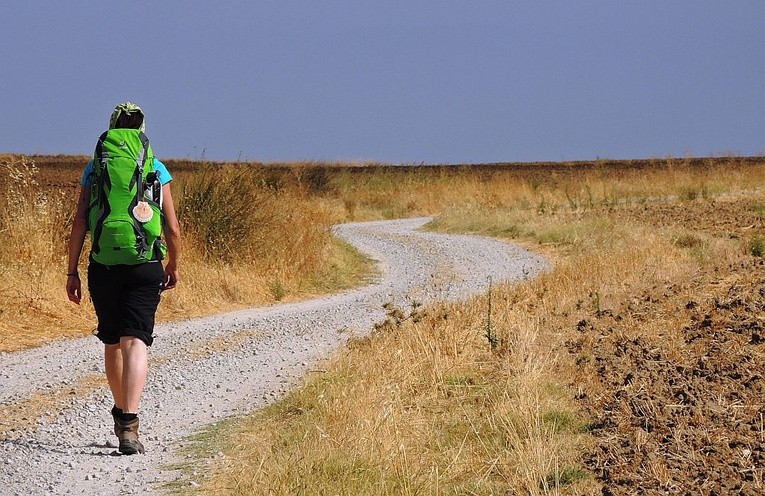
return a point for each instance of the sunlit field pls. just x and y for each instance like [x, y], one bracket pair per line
[635, 362]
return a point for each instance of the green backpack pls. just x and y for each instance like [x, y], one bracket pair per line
[125, 214]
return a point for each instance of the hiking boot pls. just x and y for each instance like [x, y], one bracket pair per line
[128, 436]
[116, 412]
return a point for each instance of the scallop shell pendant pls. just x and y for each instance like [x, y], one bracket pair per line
[143, 212]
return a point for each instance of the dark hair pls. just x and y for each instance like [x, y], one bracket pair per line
[132, 120]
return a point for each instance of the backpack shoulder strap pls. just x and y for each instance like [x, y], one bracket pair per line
[97, 192]
[98, 156]
[100, 144]
[144, 153]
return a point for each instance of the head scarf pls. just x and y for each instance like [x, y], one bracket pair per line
[127, 108]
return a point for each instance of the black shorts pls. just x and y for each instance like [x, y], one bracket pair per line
[125, 298]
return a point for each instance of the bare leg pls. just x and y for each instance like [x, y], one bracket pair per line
[113, 366]
[134, 370]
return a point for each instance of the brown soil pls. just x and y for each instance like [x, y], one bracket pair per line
[677, 372]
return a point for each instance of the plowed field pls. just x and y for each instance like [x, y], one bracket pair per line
[679, 409]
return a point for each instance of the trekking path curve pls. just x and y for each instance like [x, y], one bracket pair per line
[206, 369]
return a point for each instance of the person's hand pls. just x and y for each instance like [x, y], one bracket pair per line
[171, 276]
[74, 288]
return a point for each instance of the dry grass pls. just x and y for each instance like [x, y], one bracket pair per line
[417, 408]
[34, 225]
[426, 404]
[280, 250]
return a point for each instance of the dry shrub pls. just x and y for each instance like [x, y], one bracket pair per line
[249, 240]
[222, 209]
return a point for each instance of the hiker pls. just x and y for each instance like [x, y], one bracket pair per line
[126, 204]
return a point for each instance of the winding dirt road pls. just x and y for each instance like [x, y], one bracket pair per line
[59, 439]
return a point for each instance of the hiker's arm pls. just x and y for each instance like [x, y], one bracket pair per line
[172, 232]
[76, 240]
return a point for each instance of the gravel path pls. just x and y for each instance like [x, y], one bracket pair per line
[206, 369]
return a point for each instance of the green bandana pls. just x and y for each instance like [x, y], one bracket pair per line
[127, 108]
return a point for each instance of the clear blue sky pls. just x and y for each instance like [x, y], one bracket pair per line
[401, 81]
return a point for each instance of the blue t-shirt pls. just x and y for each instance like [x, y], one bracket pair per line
[162, 173]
